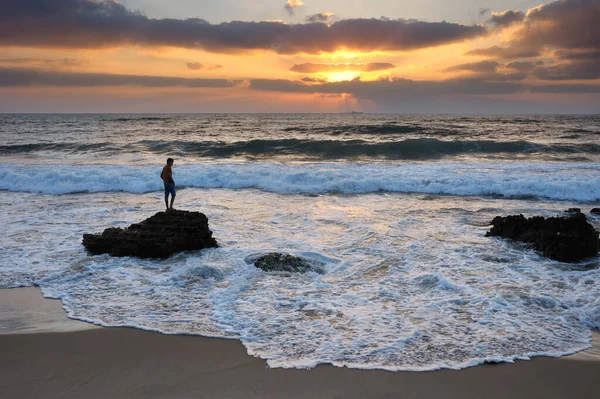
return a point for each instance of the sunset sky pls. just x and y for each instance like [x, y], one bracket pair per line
[427, 56]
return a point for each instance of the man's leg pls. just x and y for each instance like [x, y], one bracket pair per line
[173, 193]
[167, 200]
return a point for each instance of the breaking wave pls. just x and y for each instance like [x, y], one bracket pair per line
[560, 181]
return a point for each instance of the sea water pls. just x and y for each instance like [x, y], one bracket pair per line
[393, 208]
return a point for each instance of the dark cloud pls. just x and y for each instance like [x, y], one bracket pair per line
[524, 66]
[487, 71]
[573, 64]
[483, 11]
[567, 89]
[567, 24]
[506, 77]
[320, 17]
[392, 86]
[572, 28]
[482, 66]
[290, 5]
[323, 68]
[569, 71]
[507, 18]
[569, 27]
[196, 66]
[505, 52]
[17, 77]
[313, 80]
[97, 24]
[473, 95]
[577, 55]
[392, 93]
[44, 62]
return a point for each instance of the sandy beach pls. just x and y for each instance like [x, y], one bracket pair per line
[54, 357]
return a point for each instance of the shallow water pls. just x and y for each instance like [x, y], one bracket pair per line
[410, 281]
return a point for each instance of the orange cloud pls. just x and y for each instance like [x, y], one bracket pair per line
[290, 5]
[196, 66]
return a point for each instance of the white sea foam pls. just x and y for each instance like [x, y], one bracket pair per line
[409, 283]
[562, 181]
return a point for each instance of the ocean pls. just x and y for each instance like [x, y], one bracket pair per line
[393, 207]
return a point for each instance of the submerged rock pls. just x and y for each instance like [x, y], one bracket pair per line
[278, 262]
[595, 211]
[566, 239]
[159, 236]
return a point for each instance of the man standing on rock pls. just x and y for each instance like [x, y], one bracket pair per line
[167, 177]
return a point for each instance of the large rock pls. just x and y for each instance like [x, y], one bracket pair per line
[159, 236]
[566, 239]
[278, 262]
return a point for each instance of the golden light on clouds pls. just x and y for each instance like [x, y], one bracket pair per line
[367, 60]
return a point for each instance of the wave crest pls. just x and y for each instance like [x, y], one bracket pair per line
[407, 149]
[561, 181]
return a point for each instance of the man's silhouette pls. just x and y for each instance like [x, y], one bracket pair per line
[167, 177]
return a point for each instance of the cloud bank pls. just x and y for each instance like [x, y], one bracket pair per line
[105, 24]
[19, 77]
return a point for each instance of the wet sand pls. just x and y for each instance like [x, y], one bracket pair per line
[128, 363]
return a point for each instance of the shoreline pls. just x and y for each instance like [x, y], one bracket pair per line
[83, 360]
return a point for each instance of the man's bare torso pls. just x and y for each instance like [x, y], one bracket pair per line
[167, 174]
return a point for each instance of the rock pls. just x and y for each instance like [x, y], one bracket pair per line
[595, 211]
[278, 262]
[159, 236]
[573, 210]
[566, 239]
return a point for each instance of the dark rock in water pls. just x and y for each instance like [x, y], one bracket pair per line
[573, 210]
[492, 362]
[278, 262]
[595, 211]
[159, 236]
[566, 239]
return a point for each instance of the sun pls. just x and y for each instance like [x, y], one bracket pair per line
[341, 76]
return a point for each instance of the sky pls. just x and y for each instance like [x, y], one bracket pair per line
[427, 56]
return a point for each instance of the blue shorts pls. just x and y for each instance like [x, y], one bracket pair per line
[169, 189]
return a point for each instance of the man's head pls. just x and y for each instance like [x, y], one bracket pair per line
[170, 161]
